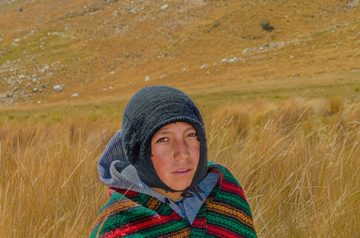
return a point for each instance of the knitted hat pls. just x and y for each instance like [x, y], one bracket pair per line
[147, 111]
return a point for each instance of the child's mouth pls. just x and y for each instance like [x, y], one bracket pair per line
[182, 171]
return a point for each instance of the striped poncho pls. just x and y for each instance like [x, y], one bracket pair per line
[225, 213]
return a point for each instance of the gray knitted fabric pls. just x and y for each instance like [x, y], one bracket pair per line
[147, 111]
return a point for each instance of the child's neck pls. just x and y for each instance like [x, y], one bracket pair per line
[174, 196]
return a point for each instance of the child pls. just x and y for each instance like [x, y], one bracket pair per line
[160, 182]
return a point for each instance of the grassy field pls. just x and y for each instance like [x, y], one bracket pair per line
[282, 108]
[297, 159]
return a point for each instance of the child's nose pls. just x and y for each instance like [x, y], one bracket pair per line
[181, 150]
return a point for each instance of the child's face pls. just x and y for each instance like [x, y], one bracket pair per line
[175, 154]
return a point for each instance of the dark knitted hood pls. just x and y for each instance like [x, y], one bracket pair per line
[147, 111]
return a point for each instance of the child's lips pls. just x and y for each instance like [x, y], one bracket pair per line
[182, 171]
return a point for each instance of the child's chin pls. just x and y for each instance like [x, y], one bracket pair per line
[180, 187]
[180, 183]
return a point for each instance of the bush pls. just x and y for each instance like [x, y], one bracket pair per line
[266, 26]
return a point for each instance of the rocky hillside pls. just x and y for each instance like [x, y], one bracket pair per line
[71, 50]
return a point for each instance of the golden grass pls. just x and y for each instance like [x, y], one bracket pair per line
[298, 161]
[299, 166]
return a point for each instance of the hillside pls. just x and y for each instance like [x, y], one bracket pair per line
[87, 50]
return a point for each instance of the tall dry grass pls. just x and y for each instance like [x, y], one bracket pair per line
[48, 182]
[298, 161]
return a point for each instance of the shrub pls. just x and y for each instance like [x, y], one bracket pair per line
[266, 26]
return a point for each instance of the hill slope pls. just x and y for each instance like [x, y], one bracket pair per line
[81, 50]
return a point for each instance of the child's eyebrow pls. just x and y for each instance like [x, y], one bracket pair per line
[162, 130]
[159, 133]
[190, 128]
[166, 130]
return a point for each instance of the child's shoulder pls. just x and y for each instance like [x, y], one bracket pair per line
[223, 171]
[216, 166]
[122, 208]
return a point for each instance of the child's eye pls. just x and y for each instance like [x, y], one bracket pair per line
[192, 134]
[162, 140]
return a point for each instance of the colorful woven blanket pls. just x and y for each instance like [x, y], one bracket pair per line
[225, 213]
